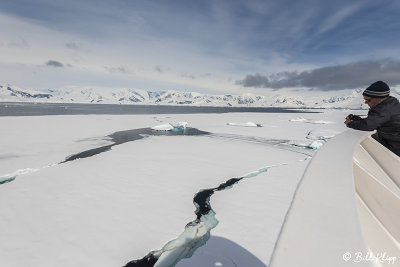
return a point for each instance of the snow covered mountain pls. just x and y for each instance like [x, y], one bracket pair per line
[290, 99]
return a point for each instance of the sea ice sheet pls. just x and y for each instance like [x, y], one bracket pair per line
[117, 206]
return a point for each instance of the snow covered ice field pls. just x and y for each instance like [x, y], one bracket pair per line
[119, 205]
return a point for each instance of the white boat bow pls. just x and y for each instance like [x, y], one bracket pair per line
[346, 209]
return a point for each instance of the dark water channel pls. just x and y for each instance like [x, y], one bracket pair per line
[121, 137]
[41, 109]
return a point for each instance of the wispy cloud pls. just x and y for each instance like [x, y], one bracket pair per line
[347, 76]
[334, 20]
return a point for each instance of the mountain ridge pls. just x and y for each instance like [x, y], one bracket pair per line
[297, 99]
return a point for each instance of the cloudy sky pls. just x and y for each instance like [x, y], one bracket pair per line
[212, 46]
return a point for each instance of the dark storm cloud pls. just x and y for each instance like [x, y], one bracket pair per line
[54, 63]
[348, 76]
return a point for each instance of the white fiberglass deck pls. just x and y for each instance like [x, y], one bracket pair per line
[346, 206]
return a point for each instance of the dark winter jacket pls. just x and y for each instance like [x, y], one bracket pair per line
[385, 118]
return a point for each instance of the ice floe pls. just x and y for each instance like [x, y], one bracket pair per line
[89, 208]
[321, 134]
[247, 124]
[169, 127]
[163, 127]
[300, 119]
[314, 145]
[317, 144]
[11, 176]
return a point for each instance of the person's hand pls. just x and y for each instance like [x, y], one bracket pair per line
[355, 118]
[347, 120]
[351, 118]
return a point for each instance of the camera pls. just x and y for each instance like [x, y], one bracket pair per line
[353, 117]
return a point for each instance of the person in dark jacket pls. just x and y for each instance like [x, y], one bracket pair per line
[383, 116]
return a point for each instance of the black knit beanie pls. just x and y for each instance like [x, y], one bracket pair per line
[378, 89]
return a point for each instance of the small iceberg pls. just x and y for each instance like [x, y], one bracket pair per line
[169, 127]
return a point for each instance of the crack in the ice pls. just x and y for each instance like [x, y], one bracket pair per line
[121, 137]
[11, 176]
[284, 144]
[197, 232]
[116, 138]
[6, 179]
